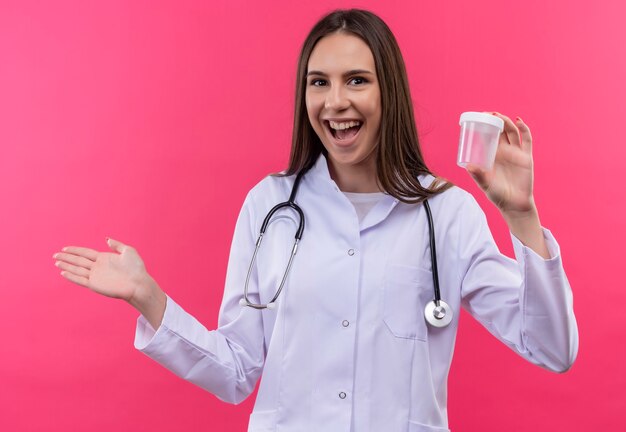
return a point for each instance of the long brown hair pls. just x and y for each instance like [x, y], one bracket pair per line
[398, 155]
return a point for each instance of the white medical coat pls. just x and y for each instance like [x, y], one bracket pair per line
[348, 348]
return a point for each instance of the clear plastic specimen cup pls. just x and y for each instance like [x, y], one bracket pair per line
[479, 139]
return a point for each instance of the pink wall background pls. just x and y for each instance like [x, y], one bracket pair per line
[148, 121]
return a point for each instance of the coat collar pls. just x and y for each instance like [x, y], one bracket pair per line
[320, 180]
[320, 174]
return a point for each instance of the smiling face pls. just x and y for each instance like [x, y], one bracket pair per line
[343, 100]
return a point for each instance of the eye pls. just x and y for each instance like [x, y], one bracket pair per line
[317, 82]
[358, 80]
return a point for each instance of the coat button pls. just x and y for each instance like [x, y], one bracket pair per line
[350, 252]
[345, 323]
[342, 395]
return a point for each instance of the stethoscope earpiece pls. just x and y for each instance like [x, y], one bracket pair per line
[243, 303]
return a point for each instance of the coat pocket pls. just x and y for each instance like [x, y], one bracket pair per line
[263, 421]
[407, 291]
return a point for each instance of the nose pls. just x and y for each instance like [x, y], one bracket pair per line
[336, 99]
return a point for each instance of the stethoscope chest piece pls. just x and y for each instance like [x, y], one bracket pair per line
[438, 315]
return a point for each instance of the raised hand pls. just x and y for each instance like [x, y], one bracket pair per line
[509, 184]
[118, 274]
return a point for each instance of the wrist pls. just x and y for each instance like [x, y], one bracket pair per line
[146, 289]
[526, 227]
[150, 300]
[528, 218]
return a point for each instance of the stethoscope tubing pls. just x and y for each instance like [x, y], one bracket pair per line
[433, 252]
[245, 301]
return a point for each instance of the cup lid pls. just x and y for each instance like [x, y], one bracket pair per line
[472, 116]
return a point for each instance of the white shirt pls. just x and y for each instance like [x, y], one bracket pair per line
[364, 202]
[348, 348]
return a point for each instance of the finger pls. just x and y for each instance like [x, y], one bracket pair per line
[527, 139]
[116, 245]
[81, 251]
[79, 280]
[78, 271]
[510, 130]
[479, 175]
[73, 259]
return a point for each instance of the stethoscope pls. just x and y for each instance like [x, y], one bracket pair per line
[437, 312]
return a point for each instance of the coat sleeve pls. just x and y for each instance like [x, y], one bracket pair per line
[228, 361]
[526, 303]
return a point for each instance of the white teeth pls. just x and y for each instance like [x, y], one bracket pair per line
[344, 125]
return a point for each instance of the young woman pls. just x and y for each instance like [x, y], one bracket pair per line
[346, 345]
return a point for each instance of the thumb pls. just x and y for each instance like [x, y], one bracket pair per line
[116, 245]
[479, 175]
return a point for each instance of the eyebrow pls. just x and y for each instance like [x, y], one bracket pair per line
[348, 73]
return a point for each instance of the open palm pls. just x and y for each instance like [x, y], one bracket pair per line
[114, 274]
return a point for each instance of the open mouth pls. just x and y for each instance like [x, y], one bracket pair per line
[344, 131]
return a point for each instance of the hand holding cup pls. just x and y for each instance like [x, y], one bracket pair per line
[508, 183]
